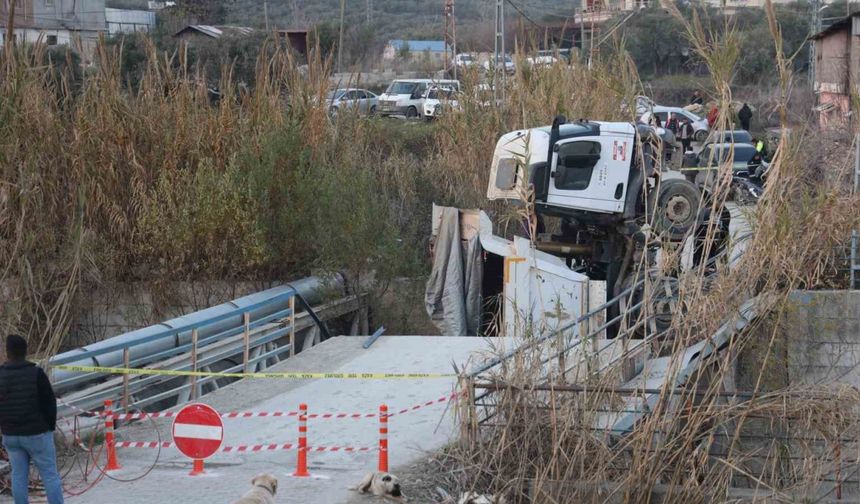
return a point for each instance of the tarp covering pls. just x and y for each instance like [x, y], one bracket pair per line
[453, 294]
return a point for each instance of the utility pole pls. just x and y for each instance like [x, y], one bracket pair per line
[10, 35]
[450, 36]
[368, 11]
[340, 38]
[454, 35]
[499, 50]
[266, 13]
[582, 33]
[814, 27]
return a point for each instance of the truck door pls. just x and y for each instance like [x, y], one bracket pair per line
[591, 173]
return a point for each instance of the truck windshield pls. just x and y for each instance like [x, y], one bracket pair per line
[400, 88]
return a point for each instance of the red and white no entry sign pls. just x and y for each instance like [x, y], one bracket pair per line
[198, 431]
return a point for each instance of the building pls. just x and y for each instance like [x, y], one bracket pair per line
[297, 39]
[435, 49]
[77, 23]
[611, 5]
[129, 21]
[192, 32]
[836, 67]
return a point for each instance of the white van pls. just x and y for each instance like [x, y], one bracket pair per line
[405, 96]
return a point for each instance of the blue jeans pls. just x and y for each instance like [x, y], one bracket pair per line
[40, 449]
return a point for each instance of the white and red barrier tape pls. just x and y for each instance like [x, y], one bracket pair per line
[320, 416]
[247, 448]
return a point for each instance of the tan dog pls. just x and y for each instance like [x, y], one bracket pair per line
[381, 484]
[265, 488]
[475, 498]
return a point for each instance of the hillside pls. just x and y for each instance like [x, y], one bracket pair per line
[396, 18]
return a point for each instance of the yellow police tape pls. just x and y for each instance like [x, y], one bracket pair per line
[293, 376]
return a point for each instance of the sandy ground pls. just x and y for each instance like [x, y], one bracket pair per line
[412, 435]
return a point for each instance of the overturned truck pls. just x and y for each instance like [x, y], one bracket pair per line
[599, 203]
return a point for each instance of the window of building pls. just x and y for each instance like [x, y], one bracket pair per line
[51, 40]
[576, 162]
[49, 3]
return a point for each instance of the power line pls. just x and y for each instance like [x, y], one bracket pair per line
[523, 14]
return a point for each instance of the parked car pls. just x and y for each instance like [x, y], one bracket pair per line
[360, 99]
[747, 162]
[730, 136]
[542, 58]
[508, 64]
[749, 169]
[439, 98]
[464, 60]
[405, 96]
[700, 124]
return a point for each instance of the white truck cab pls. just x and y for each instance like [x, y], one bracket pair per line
[406, 96]
[585, 167]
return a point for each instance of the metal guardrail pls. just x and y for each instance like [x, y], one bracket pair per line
[242, 338]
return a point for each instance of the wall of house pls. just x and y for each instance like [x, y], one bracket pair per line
[75, 15]
[77, 23]
[435, 57]
[832, 54]
[833, 65]
[129, 21]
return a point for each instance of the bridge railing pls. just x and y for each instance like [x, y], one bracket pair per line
[241, 336]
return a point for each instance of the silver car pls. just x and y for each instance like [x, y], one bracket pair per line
[360, 99]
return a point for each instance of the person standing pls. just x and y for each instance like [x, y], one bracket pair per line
[713, 115]
[28, 417]
[744, 116]
[672, 123]
[696, 99]
[686, 135]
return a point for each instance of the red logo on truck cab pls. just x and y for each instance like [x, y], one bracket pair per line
[619, 151]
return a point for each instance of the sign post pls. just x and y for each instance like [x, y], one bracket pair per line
[198, 433]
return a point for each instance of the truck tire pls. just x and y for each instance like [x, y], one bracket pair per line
[700, 136]
[411, 113]
[662, 304]
[678, 208]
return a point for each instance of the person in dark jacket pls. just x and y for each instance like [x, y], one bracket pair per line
[744, 115]
[686, 134]
[28, 417]
[672, 123]
[696, 99]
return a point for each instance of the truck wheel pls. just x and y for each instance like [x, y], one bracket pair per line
[700, 136]
[678, 209]
[663, 303]
[411, 113]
